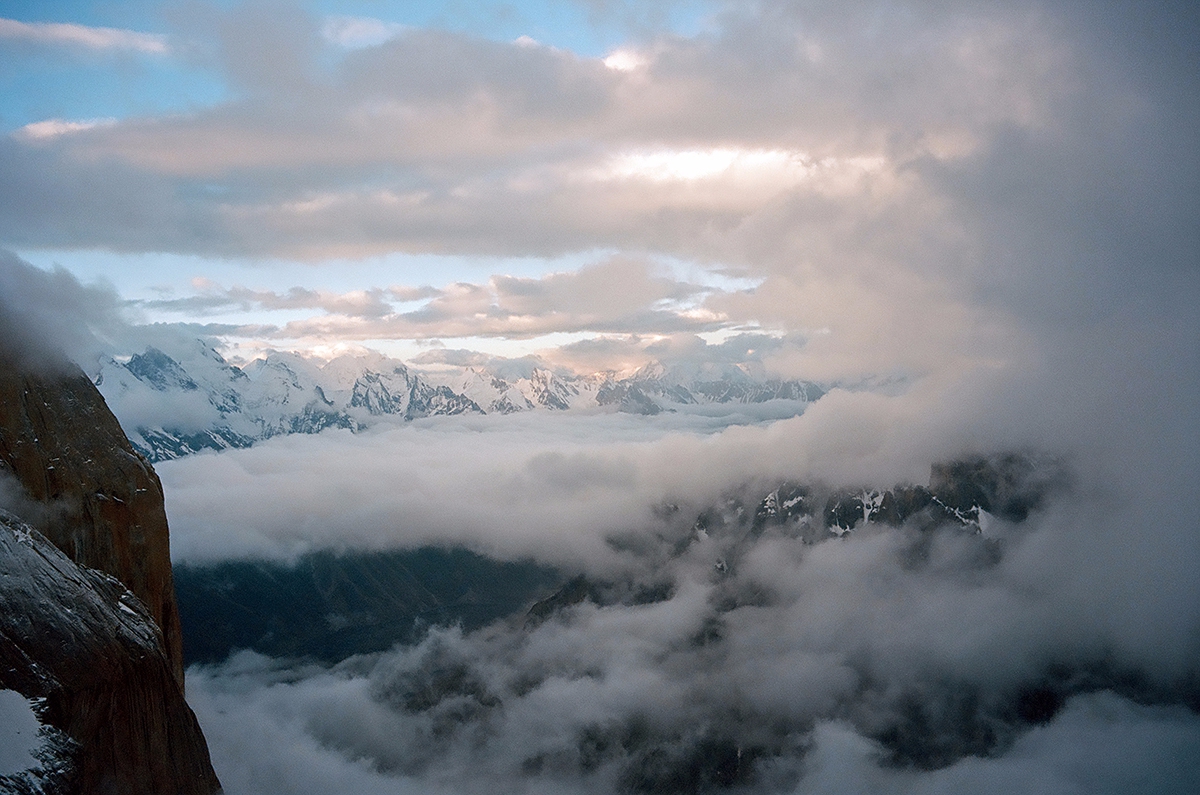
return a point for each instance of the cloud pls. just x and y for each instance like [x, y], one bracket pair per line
[64, 204]
[859, 178]
[459, 477]
[746, 351]
[475, 145]
[1099, 744]
[360, 742]
[803, 671]
[624, 60]
[19, 728]
[213, 298]
[810, 662]
[455, 483]
[49, 317]
[457, 357]
[358, 32]
[52, 128]
[618, 294]
[92, 38]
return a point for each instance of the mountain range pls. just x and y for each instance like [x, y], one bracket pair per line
[172, 405]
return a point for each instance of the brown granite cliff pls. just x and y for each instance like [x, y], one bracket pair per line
[103, 502]
[98, 502]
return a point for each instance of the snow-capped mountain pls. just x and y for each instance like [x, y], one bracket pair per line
[539, 388]
[649, 390]
[174, 403]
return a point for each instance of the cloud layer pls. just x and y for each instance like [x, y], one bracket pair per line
[617, 294]
[812, 663]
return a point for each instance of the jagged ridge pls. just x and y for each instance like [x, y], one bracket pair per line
[176, 406]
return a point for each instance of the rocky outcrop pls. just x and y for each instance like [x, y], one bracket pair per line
[89, 651]
[100, 502]
[89, 625]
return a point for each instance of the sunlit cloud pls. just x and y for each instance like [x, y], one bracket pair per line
[625, 60]
[776, 166]
[53, 128]
[355, 33]
[94, 38]
[614, 296]
[697, 164]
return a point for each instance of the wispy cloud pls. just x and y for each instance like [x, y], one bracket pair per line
[619, 295]
[93, 38]
[53, 128]
[359, 32]
[212, 298]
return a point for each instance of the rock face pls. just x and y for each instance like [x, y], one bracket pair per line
[102, 503]
[89, 624]
[89, 650]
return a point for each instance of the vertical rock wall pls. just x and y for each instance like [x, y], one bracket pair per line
[110, 676]
[101, 503]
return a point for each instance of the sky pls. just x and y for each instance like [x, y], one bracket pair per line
[516, 177]
[81, 68]
[520, 177]
[995, 202]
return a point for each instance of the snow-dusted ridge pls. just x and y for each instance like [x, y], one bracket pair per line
[191, 399]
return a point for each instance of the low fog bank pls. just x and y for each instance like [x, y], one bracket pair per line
[889, 659]
[1053, 654]
[323, 732]
[553, 487]
[547, 486]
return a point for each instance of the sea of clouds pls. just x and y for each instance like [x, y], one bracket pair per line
[887, 659]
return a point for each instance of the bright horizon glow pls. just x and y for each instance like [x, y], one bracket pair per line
[763, 166]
